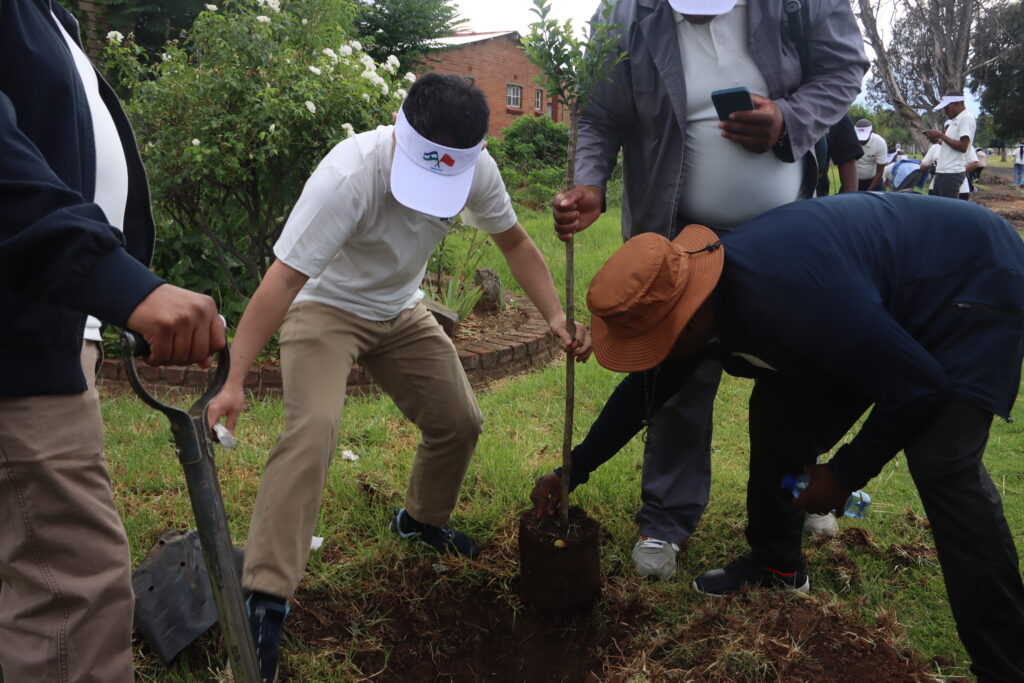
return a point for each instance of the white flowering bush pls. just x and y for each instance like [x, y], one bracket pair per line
[232, 120]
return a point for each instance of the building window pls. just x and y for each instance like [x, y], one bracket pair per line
[514, 96]
[538, 100]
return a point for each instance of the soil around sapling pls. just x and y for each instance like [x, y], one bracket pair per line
[560, 570]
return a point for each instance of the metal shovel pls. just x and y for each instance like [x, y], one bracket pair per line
[195, 453]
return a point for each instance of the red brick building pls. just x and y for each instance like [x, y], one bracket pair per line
[497, 64]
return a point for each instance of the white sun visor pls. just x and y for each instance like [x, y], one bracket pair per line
[702, 7]
[863, 133]
[946, 101]
[428, 177]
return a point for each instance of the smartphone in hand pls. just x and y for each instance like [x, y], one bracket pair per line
[730, 100]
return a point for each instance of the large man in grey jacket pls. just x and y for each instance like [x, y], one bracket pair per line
[681, 165]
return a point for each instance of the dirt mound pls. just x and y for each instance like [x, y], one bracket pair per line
[1005, 200]
[426, 622]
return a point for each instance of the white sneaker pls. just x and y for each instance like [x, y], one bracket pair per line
[823, 526]
[654, 558]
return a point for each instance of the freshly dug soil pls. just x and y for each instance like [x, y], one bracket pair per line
[559, 573]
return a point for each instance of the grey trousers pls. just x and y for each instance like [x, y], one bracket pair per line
[676, 478]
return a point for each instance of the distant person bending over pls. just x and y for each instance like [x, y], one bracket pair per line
[872, 163]
[954, 142]
[982, 163]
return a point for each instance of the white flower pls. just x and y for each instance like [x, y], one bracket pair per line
[115, 36]
[345, 50]
[212, 8]
[348, 455]
[273, 126]
[384, 88]
[331, 53]
[391, 64]
[411, 77]
[195, 142]
[165, 56]
[315, 70]
[349, 130]
[263, 19]
[356, 45]
[400, 94]
[272, 4]
[366, 96]
[311, 107]
[305, 21]
[367, 61]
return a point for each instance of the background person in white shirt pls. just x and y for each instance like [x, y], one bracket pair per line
[345, 285]
[930, 160]
[870, 166]
[1018, 164]
[951, 165]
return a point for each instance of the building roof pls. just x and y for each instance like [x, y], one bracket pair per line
[465, 38]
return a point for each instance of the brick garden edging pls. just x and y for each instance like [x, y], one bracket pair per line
[504, 355]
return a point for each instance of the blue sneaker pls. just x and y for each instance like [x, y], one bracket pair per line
[266, 619]
[441, 538]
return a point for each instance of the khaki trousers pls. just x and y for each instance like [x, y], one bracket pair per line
[66, 596]
[416, 364]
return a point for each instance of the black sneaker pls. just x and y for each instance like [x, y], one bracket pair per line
[266, 619]
[744, 572]
[441, 538]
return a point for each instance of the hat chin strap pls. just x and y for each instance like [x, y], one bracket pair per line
[708, 248]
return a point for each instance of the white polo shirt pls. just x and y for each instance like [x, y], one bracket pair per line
[875, 153]
[362, 250]
[717, 171]
[932, 155]
[950, 160]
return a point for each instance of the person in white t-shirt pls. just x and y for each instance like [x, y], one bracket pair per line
[930, 160]
[982, 163]
[958, 137]
[870, 166]
[1018, 165]
[345, 285]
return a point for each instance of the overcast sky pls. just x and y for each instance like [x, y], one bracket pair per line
[515, 15]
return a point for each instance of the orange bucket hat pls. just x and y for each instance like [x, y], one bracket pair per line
[646, 293]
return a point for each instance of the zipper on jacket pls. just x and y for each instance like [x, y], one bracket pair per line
[963, 305]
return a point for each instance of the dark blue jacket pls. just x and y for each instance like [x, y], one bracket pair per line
[59, 257]
[907, 300]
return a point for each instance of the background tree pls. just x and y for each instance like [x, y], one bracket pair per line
[1000, 79]
[232, 120]
[933, 51]
[404, 28]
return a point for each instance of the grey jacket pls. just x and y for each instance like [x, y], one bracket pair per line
[642, 110]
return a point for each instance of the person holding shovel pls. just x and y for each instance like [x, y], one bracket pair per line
[912, 306]
[684, 162]
[346, 287]
[76, 234]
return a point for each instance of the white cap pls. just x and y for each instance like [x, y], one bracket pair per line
[946, 100]
[702, 7]
[863, 133]
[428, 177]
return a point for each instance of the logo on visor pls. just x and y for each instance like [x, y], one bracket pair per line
[446, 160]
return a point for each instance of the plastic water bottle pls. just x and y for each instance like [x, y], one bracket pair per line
[856, 505]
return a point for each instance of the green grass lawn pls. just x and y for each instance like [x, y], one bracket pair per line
[893, 577]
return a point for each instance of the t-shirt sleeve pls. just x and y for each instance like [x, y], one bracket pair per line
[488, 206]
[328, 212]
[931, 155]
[967, 129]
[881, 150]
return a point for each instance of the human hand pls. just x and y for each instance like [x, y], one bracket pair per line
[180, 326]
[933, 135]
[824, 493]
[579, 345]
[757, 130]
[227, 404]
[576, 209]
[546, 494]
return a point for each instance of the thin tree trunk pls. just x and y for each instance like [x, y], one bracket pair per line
[570, 323]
